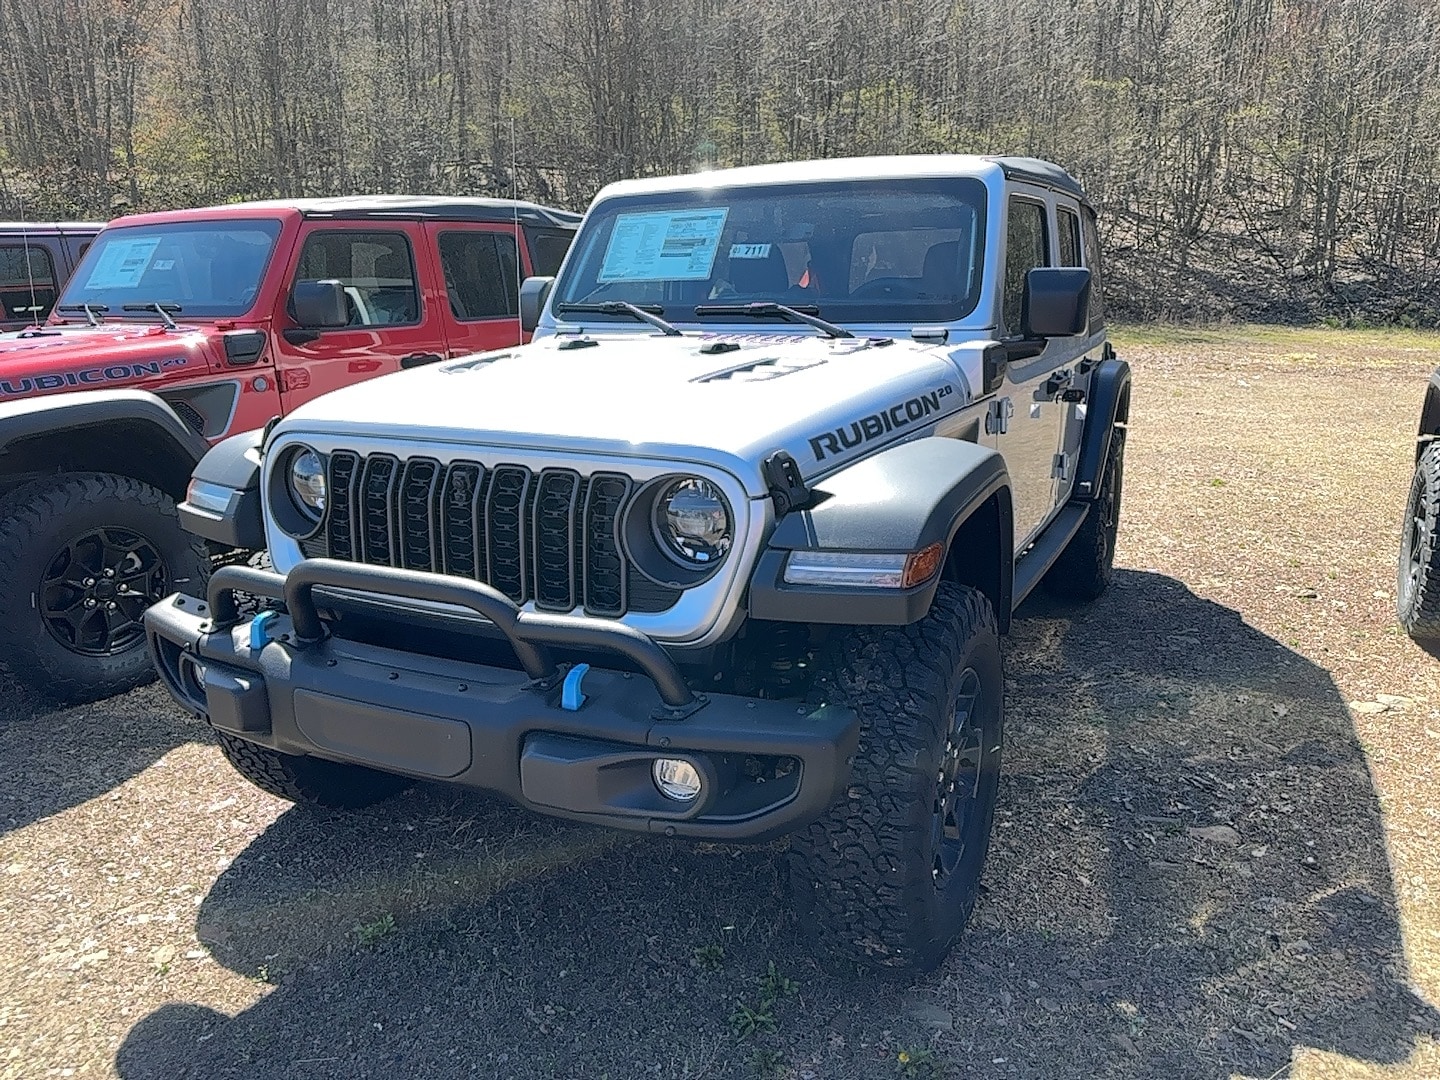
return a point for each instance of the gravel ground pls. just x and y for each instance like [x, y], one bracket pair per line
[1216, 853]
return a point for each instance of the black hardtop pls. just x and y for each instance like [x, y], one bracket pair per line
[438, 207]
[1041, 172]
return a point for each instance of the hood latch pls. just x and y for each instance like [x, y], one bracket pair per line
[787, 488]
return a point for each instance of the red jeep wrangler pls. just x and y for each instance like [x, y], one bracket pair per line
[179, 329]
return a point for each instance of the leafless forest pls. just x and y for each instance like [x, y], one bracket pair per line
[1271, 159]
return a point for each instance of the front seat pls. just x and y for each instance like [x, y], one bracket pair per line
[761, 279]
[940, 276]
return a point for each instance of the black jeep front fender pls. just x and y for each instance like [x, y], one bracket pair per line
[899, 501]
[1107, 406]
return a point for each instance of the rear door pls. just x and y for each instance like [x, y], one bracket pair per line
[481, 266]
[31, 273]
[396, 321]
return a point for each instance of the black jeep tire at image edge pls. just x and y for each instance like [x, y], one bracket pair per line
[1084, 569]
[889, 876]
[309, 781]
[1417, 587]
[81, 557]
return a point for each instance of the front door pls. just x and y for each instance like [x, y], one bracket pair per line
[1029, 429]
[391, 325]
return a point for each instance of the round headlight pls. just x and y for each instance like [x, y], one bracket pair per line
[693, 521]
[307, 482]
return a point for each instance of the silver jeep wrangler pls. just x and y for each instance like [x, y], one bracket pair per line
[725, 553]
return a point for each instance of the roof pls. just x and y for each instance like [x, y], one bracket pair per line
[18, 228]
[392, 207]
[908, 166]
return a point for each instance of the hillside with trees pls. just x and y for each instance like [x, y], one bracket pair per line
[1260, 159]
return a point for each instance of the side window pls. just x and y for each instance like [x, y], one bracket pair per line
[1092, 260]
[377, 270]
[1069, 223]
[1026, 247]
[480, 274]
[547, 251]
[27, 282]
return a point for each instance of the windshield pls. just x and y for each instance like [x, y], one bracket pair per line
[907, 251]
[204, 269]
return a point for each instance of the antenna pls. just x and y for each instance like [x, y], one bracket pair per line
[515, 206]
[29, 270]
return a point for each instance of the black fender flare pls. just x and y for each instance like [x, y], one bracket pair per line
[929, 489]
[1107, 406]
[1429, 429]
[166, 452]
[223, 504]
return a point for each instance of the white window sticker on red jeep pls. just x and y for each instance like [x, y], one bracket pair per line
[667, 245]
[123, 263]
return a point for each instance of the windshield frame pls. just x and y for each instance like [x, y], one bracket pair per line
[589, 252]
[77, 289]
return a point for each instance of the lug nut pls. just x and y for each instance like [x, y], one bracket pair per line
[89, 582]
[89, 601]
[109, 572]
[111, 605]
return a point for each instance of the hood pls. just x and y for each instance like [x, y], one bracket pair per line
[51, 359]
[712, 399]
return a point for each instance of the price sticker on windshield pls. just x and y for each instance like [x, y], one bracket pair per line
[666, 245]
[123, 263]
[749, 251]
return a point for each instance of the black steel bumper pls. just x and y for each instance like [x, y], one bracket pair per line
[285, 682]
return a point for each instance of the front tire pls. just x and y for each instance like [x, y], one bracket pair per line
[309, 781]
[1417, 591]
[82, 556]
[888, 877]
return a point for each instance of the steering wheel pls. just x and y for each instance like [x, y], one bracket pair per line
[887, 288]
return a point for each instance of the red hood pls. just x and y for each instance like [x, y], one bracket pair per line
[57, 359]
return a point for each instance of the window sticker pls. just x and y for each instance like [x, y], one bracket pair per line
[123, 263]
[667, 245]
[749, 251]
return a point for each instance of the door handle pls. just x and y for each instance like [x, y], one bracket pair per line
[420, 359]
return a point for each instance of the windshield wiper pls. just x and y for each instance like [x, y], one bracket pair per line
[649, 313]
[161, 309]
[807, 315]
[92, 311]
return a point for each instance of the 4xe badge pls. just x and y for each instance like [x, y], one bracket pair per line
[849, 436]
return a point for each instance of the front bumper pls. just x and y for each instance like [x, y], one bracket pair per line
[285, 681]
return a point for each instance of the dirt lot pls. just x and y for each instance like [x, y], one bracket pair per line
[161, 919]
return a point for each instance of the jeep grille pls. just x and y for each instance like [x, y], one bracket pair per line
[550, 537]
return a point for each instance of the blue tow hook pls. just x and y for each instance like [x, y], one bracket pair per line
[571, 696]
[260, 630]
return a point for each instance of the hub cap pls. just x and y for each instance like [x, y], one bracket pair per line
[955, 817]
[96, 589]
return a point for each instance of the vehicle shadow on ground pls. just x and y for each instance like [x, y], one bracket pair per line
[56, 758]
[448, 935]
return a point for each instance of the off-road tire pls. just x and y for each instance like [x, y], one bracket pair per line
[38, 521]
[310, 781]
[866, 880]
[1086, 566]
[1417, 586]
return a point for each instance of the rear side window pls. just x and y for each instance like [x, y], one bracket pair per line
[1069, 223]
[480, 274]
[27, 282]
[377, 270]
[1026, 247]
[547, 251]
[1092, 260]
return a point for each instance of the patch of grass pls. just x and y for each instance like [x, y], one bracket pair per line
[917, 1064]
[774, 986]
[709, 957]
[767, 1063]
[747, 1021]
[370, 933]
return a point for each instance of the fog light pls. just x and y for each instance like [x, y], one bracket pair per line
[677, 779]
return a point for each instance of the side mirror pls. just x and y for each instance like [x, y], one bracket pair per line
[320, 305]
[534, 291]
[1057, 301]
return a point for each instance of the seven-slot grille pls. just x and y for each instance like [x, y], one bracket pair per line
[550, 537]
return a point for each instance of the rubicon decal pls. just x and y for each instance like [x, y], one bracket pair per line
[96, 376]
[849, 436]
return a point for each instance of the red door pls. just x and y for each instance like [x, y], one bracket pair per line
[395, 308]
[482, 267]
